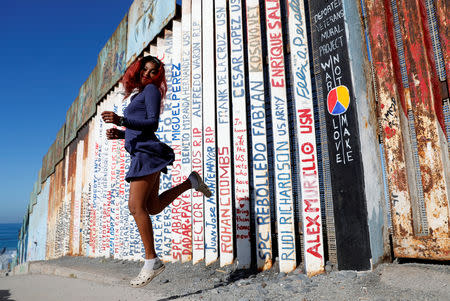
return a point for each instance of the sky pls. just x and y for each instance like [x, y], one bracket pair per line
[48, 49]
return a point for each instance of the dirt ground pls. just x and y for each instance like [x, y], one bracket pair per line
[109, 278]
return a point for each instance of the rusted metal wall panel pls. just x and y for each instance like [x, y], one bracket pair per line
[407, 52]
[433, 53]
[438, 58]
[87, 197]
[88, 98]
[56, 196]
[38, 188]
[44, 173]
[146, 18]
[64, 216]
[58, 153]
[48, 163]
[389, 109]
[442, 11]
[429, 146]
[70, 193]
[71, 123]
[112, 60]
[84, 190]
[77, 216]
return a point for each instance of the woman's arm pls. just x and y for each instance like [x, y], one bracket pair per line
[152, 98]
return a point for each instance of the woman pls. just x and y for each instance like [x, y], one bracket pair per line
[149, 156]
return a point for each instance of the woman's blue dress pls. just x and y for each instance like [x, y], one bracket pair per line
[141, 119]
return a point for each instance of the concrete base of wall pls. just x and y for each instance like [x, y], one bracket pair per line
[45, 268]
[21, 269]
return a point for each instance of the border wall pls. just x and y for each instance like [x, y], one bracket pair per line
[321, 127]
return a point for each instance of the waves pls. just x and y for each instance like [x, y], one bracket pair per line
[8, 243]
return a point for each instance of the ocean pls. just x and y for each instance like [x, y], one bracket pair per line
[9, 236]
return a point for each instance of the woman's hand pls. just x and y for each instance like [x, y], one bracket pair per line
[111, 117]
[114, 133]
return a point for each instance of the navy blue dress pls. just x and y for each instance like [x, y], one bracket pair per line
[141, 118]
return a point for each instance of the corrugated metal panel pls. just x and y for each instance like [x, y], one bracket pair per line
[87, 98]
[58, 154]
[423, 234]
[56, 193]
[434, 210]
[146, 18]
[112, 60]
[71, 123]
[48, 164]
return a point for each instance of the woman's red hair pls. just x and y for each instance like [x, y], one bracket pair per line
[132, 77]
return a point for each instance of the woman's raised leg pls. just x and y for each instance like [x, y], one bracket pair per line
[156, 203]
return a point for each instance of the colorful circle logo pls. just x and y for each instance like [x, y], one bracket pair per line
[338, 100]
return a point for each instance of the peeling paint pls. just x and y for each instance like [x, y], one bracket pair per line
[406, 243]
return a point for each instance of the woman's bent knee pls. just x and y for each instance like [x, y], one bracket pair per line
[152, 211]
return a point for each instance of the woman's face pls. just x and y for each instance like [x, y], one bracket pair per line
[149, 72]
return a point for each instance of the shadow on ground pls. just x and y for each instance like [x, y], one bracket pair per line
[232, 277]
[5, 295]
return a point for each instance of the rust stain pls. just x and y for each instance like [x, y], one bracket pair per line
[400, 179]
[442, 12]
[427, 178]
[433, 73]
[423, 248]
[387, 78]
[393, 57]
[402, 231]
[71, 188]
[315, 273]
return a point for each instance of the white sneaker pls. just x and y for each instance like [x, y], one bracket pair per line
[201, 186]
[145, 276]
